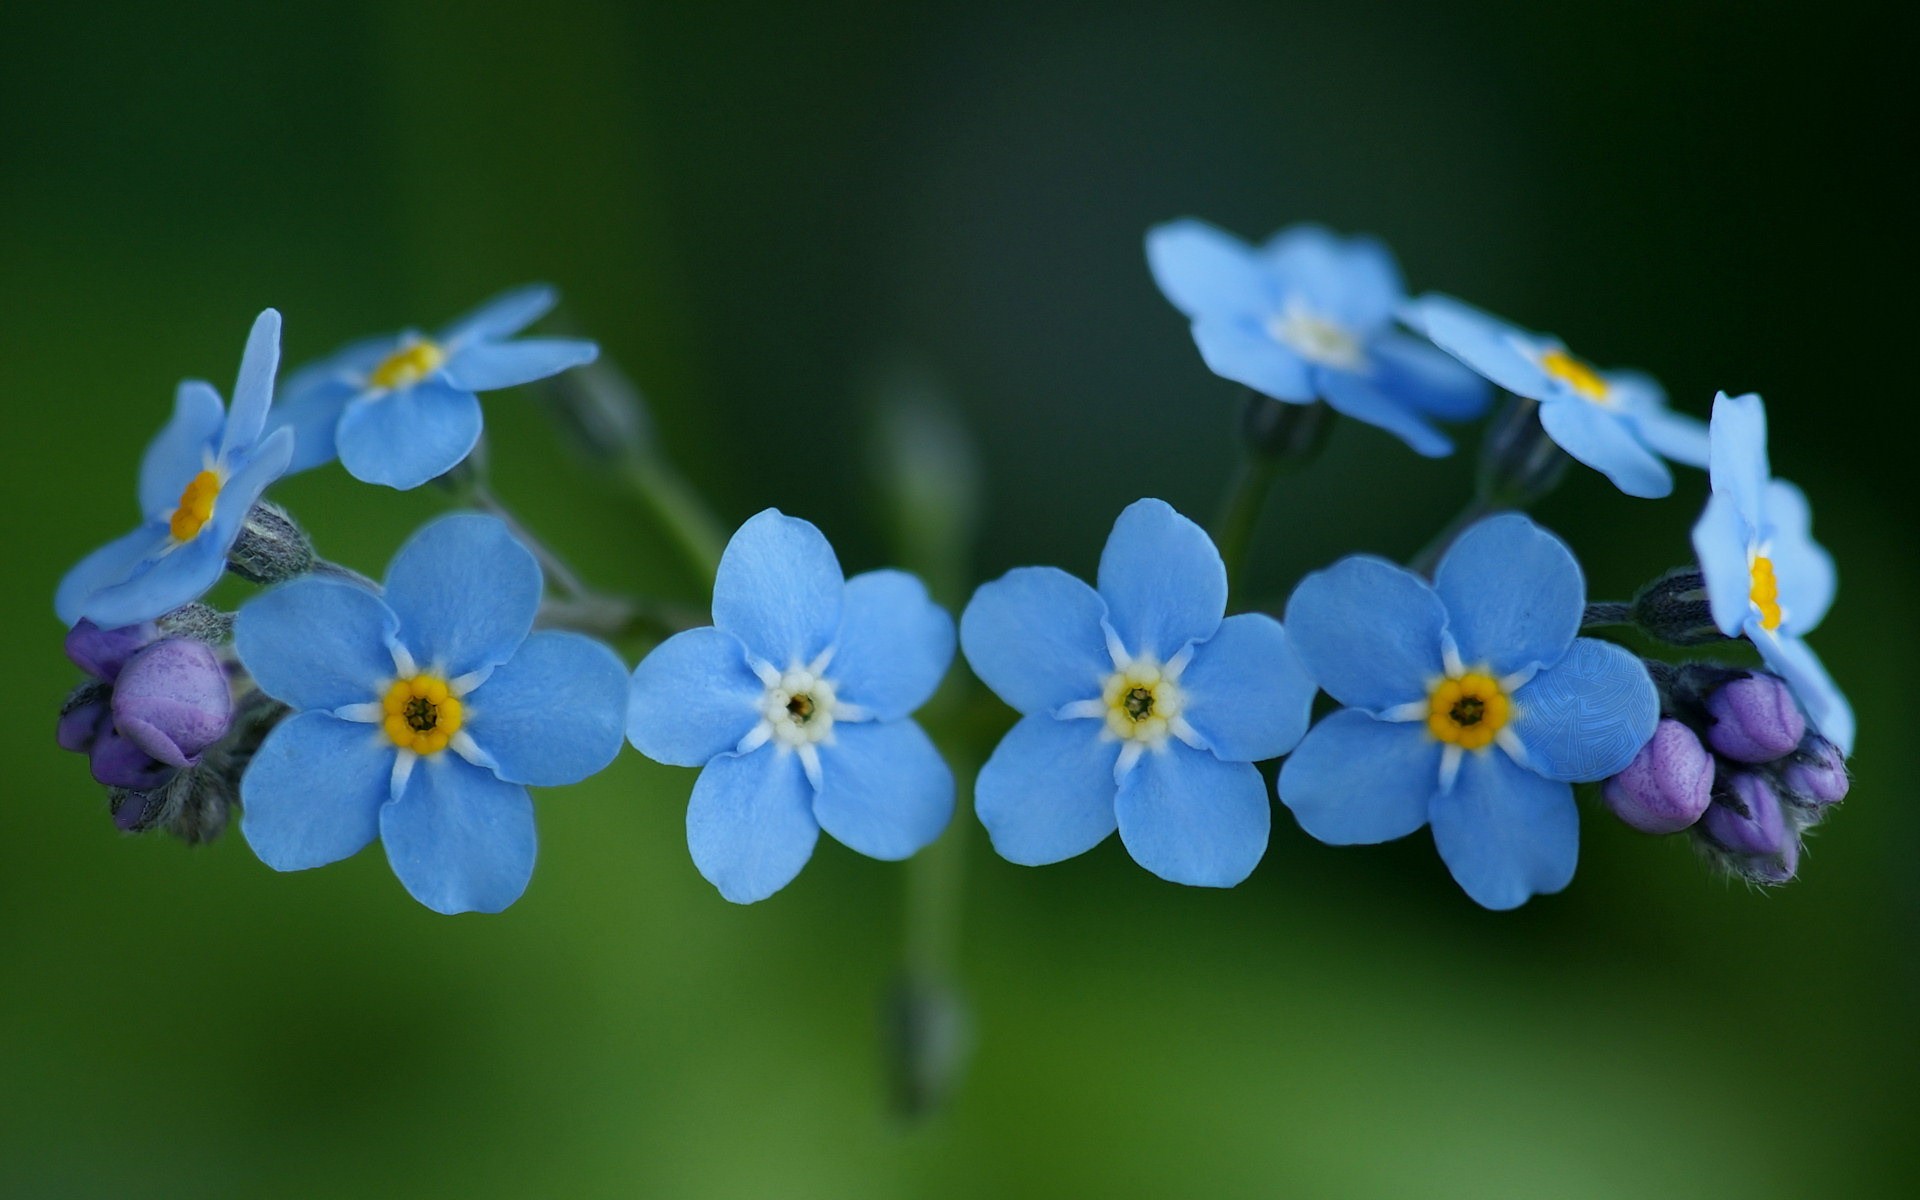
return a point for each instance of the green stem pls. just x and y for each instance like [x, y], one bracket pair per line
[1233, 532]
[556, 568]
[695, 531]
[1429, 556]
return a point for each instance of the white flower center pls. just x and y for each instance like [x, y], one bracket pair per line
[1142, 702]
[799, 708]
[1315, 338]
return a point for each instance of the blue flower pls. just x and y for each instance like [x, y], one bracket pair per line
[401, 409]
[198, 480]
[1766, 576]
[1142, 709]
[1473, 707]
[795, 701]
[1309, 316]
[422, 714]
[1616, 422]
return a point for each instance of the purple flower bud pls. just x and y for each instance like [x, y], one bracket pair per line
[1755, 719]
[1746, 818]
[102, 652]
[172, 701]
[117, 762]
[1816, 775]
[80, 725]
[1667, 785]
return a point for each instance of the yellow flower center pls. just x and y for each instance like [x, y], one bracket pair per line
[1141, 703]
[1575, 374]
[408, 366]
[1765, 593]
[1468, 711]
[421, 714]
[196, 506]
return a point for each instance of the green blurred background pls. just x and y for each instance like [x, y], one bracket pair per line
[760, 210]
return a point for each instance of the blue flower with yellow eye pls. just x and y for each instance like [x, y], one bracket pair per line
[198, 480]
[1766, 577]
[421, 716]
[1473, 706]
[1144, 707]
[795, 704]
[1310, 316]
[1616, 422]
[400, 410]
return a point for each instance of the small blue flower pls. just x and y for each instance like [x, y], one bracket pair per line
[795, 703]
[1142, 708]
[1309, 316]
[1616, 422]
[400, 410]
[1473, 707]
[198, 480]
[1766, 576]
[422, 714]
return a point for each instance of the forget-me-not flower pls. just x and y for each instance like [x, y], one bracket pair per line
[1473, 706]
[401, 409]
[795, 704]
[198, 480]
[1142, 708]
[1616, 422]
[1309, 316]
[422, 714]
[1766, 576]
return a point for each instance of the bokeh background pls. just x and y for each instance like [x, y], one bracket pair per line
[765, 213]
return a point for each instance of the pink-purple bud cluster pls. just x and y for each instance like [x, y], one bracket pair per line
[156, 704]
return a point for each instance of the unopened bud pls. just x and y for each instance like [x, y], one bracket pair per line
[1755, 719]
[1667, 785]
[81, 717]
[271, 547]
[1278, 432]
[1748, 827]
[172, 701]
[199, 622]
[1519, 463]
[1674, 609]
[1815, 777]
[599, 412]
[102, 652]
[118, 762]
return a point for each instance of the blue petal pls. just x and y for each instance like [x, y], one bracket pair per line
[750, 824]
[1035, 637]
[894, 647]
[779, 589]
[1494, 348]
[1506, 833]
[1356, 780]
[1247, 695]
[312, 794]
[1190, 818]
[1359, 397]
[253, 390]
[693, 698]
[1353, 282]
[1586, 716]
[1802, 566]
[1369, 631]
[313, 414]
[460, 838]
[1737, 453]
[484, 366]
[1675, 437]
[1603, 441]
[181, 450]
[466, 593]
[404, 438]
[554, 713]
[884, 790]
[1205, 270]
[317, 643]
[1240, 350]
[504, 315]
[1047, 792]
[1514, 595]
[1162, 580]
[1825, 703]
[1720, 540]
[113, 563]
[1426, 378]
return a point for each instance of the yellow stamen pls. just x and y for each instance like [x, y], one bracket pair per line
[1468, 711]
[421, 714]
[407, 366]
[196, 506]
[1765, 593]
[1575, 374]
[1141, 703]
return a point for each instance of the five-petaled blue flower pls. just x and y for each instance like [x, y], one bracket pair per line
[1766, 576]
[422, 714]
[1473, 707]
[795, 701]
[1616, 422]
[198, 480]
[1309, 316]
[401, 409]
[1142, 708]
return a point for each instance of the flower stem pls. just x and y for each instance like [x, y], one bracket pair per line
[1233, 532]
[556, 568]
[1430, 554]
[695, 531]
